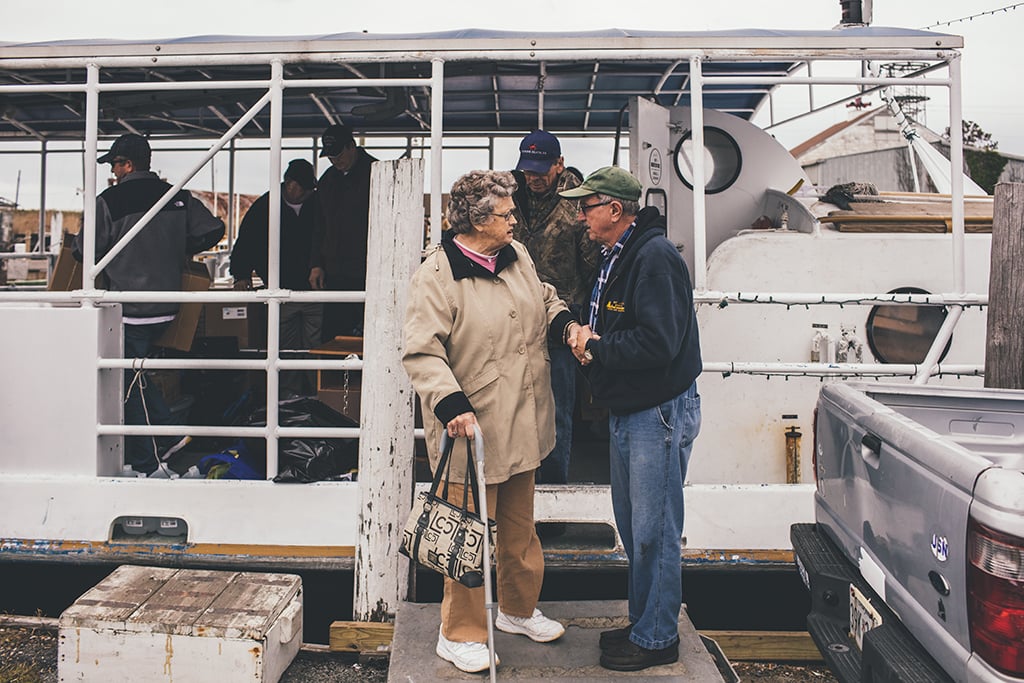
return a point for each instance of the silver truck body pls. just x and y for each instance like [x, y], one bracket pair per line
[900, 469]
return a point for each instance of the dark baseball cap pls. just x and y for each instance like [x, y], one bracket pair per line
[335, 139]
[610, 180]
[129, 146]
[301, 171]
[538, 151]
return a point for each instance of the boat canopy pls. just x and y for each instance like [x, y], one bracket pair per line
[495, 82]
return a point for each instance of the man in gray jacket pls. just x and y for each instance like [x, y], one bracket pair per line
[151, 262]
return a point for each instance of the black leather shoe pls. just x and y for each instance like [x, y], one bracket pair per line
[631, 657]
[615, 637]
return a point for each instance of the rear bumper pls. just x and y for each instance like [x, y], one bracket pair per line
[891, 654]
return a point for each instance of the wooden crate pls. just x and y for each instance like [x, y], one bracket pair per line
[160, 624]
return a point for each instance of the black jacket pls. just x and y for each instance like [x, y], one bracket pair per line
[649, 350]
[342, 224]
[250, 250]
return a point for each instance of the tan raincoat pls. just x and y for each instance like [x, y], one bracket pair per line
[486, 337]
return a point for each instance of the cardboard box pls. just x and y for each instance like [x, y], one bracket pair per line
[227, 320]
[67, 272]
[340, 389]
[345, 401]
[195, 278]
[161, 624]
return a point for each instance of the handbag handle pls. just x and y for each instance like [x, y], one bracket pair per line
[470, 485]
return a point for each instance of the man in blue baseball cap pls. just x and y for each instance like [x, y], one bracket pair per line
[565, 258]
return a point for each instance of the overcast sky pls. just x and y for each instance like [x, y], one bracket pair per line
[991, 99]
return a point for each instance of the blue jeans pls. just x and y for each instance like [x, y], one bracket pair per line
[554, 469]
[141, 452]
[649, 453]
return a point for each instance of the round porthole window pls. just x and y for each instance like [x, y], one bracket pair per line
[722, 160]
[903, 334]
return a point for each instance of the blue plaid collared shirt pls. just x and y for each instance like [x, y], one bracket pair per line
[610, 257]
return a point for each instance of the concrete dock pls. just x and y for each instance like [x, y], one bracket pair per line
[573, 657]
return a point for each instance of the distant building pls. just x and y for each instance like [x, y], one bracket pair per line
[869, 147]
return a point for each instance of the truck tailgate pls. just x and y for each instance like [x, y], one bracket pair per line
[894, 493]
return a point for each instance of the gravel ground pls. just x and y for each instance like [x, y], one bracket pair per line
[29, 655]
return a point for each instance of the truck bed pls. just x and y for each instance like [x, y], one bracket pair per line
[988, 423]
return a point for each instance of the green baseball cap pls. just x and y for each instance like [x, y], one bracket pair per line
[610, 180]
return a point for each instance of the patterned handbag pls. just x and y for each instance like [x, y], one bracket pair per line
[444, 537]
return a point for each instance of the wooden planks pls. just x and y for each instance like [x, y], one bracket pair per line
[935, 217]
[740, 646]
[766, 646]
[361, 636]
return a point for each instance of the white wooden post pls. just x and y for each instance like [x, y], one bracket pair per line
[386, 414]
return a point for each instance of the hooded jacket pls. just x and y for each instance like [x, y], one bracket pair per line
[649, 350]
[154, 259]
[476, 341]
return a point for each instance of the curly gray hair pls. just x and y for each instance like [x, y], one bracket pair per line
[473, 197]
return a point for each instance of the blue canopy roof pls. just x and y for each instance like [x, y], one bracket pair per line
[494, 81]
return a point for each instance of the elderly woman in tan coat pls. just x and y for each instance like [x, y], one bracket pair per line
[476, 334]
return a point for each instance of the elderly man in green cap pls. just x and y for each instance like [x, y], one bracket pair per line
[642, 358]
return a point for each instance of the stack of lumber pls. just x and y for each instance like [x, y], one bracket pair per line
[909, 216]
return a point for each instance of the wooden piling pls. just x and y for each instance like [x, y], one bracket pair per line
[1004, 344]
[386, 416]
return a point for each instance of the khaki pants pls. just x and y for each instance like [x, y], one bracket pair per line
[518, 557]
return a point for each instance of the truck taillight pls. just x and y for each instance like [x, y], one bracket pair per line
[995, 597]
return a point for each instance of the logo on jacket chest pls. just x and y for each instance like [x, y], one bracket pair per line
[615, 306]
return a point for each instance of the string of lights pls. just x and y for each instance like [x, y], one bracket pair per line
[975, 16]
[823, 371]
[841, 299]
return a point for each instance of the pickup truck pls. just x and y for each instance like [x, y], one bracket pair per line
[915, 562]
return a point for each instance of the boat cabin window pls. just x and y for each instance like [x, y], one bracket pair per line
[903, 334]
[722, 160]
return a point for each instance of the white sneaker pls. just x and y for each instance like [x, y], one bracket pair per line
[470, 657]
[536, 627]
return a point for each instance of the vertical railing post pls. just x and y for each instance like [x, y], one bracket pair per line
[42, 205]
[92, 118]
[232, 222]
[956, 178]
[273, 259]
[700, 240]
[436, 138]
[386, 413]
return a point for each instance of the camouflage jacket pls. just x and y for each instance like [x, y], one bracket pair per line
[557, 242]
